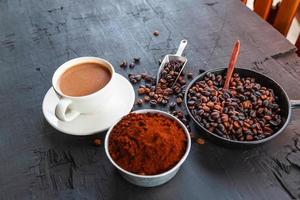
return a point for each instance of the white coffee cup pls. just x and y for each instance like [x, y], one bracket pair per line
[70, 107]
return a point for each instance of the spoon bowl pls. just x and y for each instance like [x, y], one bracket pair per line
[170, 57]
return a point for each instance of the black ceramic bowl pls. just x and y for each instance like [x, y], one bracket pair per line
[285, 104]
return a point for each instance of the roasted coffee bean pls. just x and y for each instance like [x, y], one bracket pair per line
[141, 91]
[180, 114]
[159, 99]
[213, 99]
[226, 95]
[156, 33]
[124, 64]
[215, 115]
[190, 75]
[220, 133]
[147, 90]
[210, 104]
[153, 102]
[267, 117]
[235, 118]
[140, 101]
[97, 142]
[206, 93]
[191, 102]
[253, 113]
[240, 89]
[224, 118]
[172, 105]
[241, 116]
[274, 123]
[131, 65]
[146, 98]
[164, 102]
[200, 112]
[138, 77]
[178, 100]
[249, 137]
[206, 108]
[148, 79]
[203, 99]
[136, 59]
[183, 120]
[201, 71]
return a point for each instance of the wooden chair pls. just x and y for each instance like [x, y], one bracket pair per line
[285, 15]
[244, 1]
[273, 12]
[262, 8]
[297, 44]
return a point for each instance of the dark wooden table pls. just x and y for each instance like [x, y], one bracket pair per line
[38, 162]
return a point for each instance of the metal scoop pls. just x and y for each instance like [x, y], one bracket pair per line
[170, 57]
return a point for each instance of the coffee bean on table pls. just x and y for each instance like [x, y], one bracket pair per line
[131, 65]
[136, 59]
[172, 105]
[156, 33]
[146, 98]
[190, 75]
[138, 77]
[97, 142]
[201, 71]
[124, 64]
[164, 102]
[153, 102]
[140, 101]
[159, 61]
[178, 100]
[141, 91]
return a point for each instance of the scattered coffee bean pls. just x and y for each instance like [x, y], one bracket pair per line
[136, 59]
[200, 141]
[146, 98]
[156, 33]
[178, 100]
[159, 61]
[131, 65]
[141, 91]
[124, 64]
[172, 105]
[153, 102]
[190, 75]
[201, 71]
[97, 142]
[140, 101]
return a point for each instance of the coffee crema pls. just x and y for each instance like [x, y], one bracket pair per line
[84, 79]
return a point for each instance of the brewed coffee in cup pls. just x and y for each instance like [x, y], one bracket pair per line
[84, 79]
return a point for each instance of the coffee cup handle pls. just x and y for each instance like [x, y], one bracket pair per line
[63, 113]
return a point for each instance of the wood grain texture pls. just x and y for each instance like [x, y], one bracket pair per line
[38, 162]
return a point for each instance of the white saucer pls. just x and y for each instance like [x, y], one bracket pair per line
[120, 105]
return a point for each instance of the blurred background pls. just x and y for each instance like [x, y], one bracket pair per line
[284, 12]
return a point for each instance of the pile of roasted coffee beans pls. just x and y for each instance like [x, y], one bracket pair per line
[245, 112]
[164, 93]
[160, 93]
